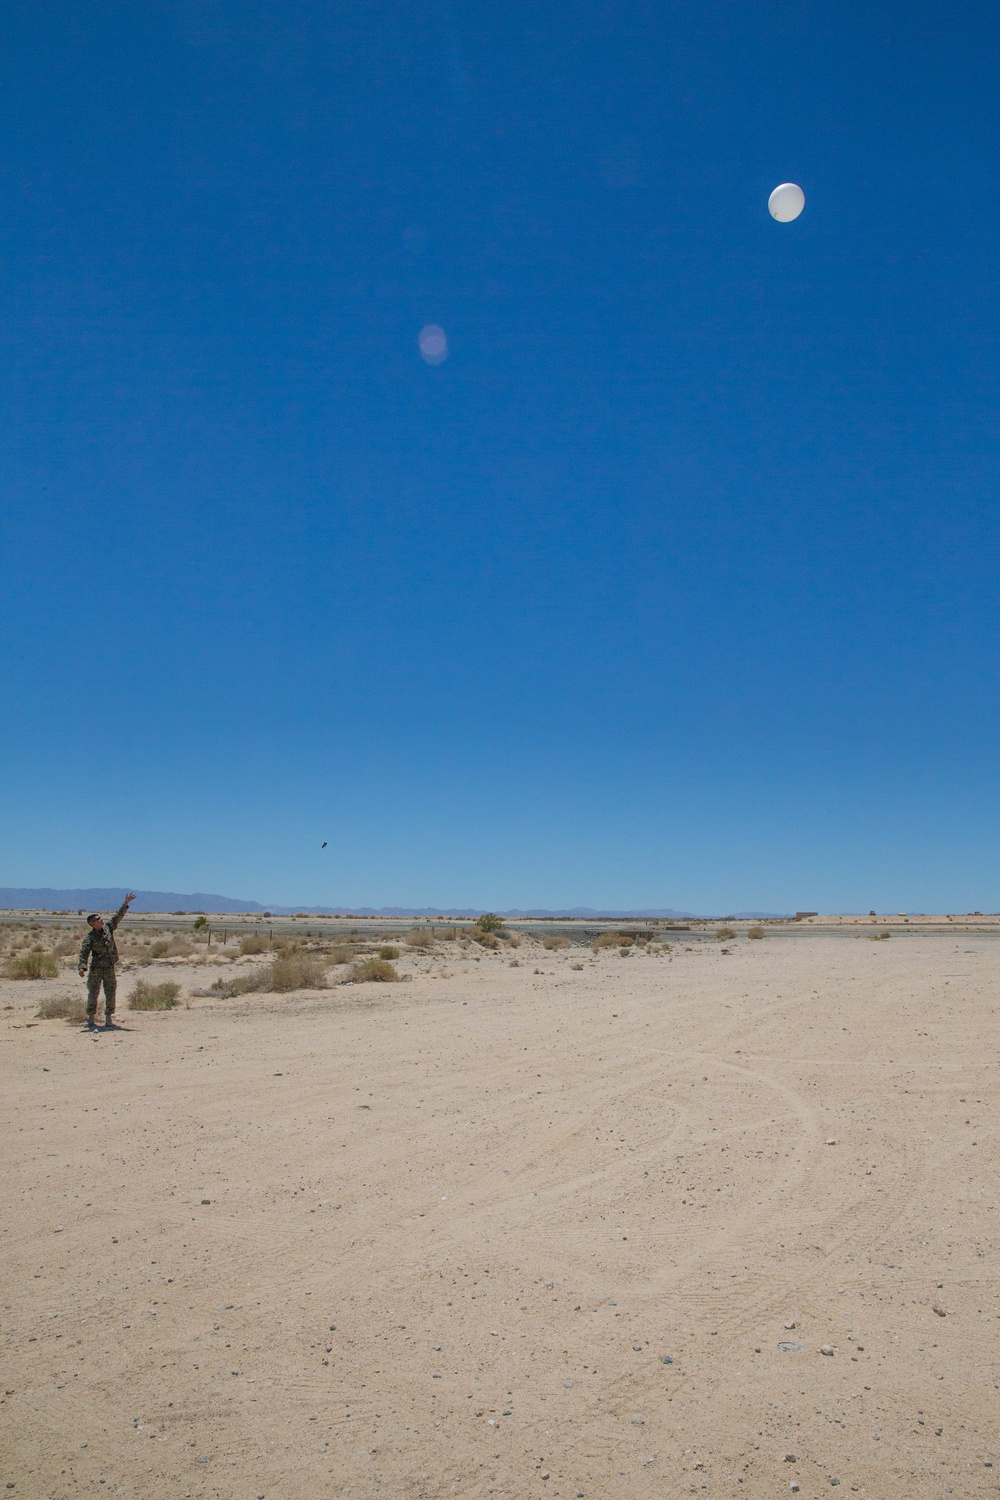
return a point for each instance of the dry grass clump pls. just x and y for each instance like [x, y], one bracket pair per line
[33, 965]
[66, 946]
[613, 940]
[420, 937]
[484, 939]
[241, 984]
[63, 1008]
[388, 952]
[576, 966]
[298, 971]
[379, 969]
[255, 943]
[552, 943]
[159, 996]
[755, 932]
[724, 934]
[342, 954]
[878, 937]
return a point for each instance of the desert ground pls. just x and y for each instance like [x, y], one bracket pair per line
[579, 1227]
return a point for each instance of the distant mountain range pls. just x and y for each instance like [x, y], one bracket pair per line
[45, 898]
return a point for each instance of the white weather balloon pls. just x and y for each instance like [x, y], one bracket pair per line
[786, 202]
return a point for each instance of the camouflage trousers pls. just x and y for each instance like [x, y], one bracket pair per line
[95, 979]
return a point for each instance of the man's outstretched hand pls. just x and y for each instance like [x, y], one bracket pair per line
[130, 898]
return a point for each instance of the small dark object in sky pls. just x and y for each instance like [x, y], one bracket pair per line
[323, 844]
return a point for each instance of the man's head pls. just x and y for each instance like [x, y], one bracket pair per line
[95, 921]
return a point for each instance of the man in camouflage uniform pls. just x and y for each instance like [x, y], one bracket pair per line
[100, 951]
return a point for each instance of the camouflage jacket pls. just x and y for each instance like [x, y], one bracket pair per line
[99, 948]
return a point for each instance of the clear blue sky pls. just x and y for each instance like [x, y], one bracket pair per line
[674, 584]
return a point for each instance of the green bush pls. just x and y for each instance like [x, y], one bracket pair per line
[388, 951]
[298, 971]
[489, 922]
[159, 996]
[32, 966]
[374, 968]
[200, 922]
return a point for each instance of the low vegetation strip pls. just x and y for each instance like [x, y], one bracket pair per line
[157, 995]
[31, 966]
[379, 969]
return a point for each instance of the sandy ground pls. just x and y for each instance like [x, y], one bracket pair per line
[515, 1234]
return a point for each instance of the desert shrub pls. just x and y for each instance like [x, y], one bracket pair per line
[160, 948]
[31, 965]
[66, 946]
[755, 932]
[484, 939]
[724, 934]
[341, 954]
[515, 963]
[298, 971]
[878, 937]
[200, 922]
[489, 922]
[374, 968]
[255, 943]
[62, 1008]
[613, 940]
[553, 943]
[388, 951]
[240, 984]
[161, 995]
[419, 937]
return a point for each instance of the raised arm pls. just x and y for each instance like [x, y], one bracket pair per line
[113, 921]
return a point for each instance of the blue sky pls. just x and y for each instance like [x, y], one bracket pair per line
[675, 584]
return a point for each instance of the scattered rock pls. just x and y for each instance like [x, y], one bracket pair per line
[942, 1312]
[790, 1323]
[790, 1458]
[826, 1349]
[206, 1200]
[830, 1142]
[666, 1359]
[637, 1420]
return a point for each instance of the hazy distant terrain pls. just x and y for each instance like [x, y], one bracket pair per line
[47, 898]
